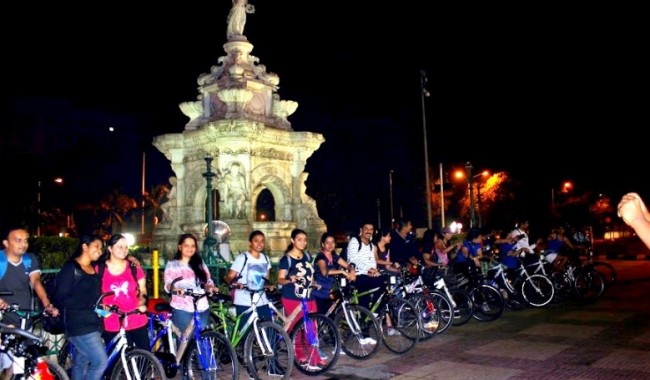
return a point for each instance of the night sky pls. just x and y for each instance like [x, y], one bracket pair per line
[546, 94]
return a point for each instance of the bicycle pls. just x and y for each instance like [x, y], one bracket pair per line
[358, 327]
[315, 337]
[266, 348]
[535, 289]
[399, 312]
[126, 361]
[204, 353]
[28, 351]
[604, 268]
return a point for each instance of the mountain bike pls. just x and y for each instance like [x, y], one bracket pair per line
[124, 360]
[534, 289]
[401, 317]
[267, 350]
[28, 352]
[358, 327]
[314, 336]
[203, 353]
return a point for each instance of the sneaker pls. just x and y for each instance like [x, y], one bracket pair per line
[365, 341]
[275, 370]
[431, 325]
[310, 367]
[390, 331]
[323, 355]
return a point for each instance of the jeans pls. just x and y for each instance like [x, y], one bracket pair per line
[90, 357]
[182, 319]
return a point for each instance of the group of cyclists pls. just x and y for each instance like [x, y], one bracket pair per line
[365, 260]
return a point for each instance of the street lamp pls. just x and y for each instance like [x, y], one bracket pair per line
[470, 187]
[468, 168]
[425, 93]
[56, 180]
[390, 187]
[210, 241]
[566, 187]
[485, 173]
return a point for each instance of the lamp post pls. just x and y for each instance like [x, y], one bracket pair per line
[390, 187]
[442, 197]
[210, 241]
[470, 179]
[38, 210]
[425, 93]
[478, 202]
[566, 187]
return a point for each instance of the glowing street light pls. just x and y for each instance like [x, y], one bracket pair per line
[470, 181]
[424, 93]
[566, 187]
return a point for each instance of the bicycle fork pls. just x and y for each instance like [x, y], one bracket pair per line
[263, 340]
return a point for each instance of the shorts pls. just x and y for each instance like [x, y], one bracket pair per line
[5, 361]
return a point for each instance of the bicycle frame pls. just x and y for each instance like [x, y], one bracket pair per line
[287, 321]
[193, 329]
[230, 325]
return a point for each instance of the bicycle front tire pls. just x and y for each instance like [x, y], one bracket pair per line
[141, 362]
[488, 303]
[279, 362]
[357, 341]
[406, 324]
[537, 290]
[215, 350]
[320, 359]
[56, 370]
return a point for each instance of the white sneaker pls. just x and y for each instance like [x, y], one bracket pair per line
[391, 331]
[365, 341]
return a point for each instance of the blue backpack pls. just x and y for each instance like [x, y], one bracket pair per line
[27, 262]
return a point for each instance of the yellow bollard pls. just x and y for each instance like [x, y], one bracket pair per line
[156, 275]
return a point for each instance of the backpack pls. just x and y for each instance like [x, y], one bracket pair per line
[55, 325]
[232, 291]
[27, 262]
[344, 251]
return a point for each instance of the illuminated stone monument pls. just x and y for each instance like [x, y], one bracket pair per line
[241, 122]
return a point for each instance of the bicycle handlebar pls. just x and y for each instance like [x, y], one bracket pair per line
[6, 329]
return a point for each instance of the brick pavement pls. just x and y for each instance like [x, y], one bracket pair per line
[606, 340]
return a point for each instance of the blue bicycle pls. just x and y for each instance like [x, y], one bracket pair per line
[124, 360]
[204, 353]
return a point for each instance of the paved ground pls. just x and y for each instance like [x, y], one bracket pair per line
[606, 340]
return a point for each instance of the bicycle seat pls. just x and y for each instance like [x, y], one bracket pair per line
[158, 305]
[219, 297]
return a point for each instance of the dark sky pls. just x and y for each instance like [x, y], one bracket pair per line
[547, 94]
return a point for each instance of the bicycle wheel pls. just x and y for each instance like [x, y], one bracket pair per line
[211, 358]
[64, 358]
[606, 270]
[359, 330]
[537, 290]
[429, 314]
[443, 304]
[464, 307]
[275, 358]
[405, 323]
[589, 285]
[316, 356]
[488, 303]
[141, 365]
[56, 370]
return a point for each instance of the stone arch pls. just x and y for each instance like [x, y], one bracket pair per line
[279, 190]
